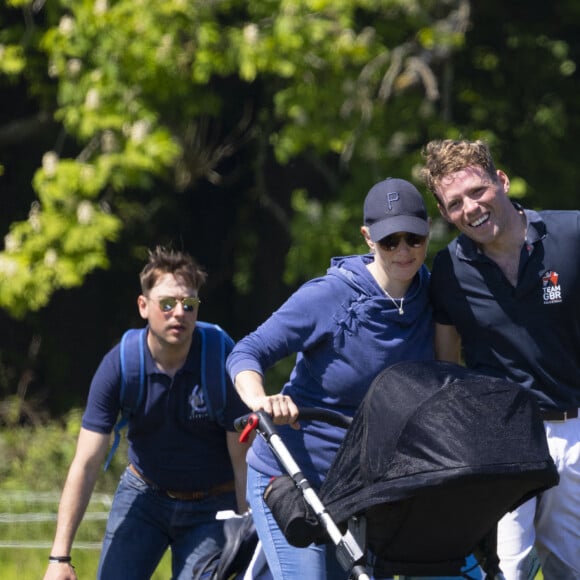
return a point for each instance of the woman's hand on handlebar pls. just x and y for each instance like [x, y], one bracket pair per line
[280, 407]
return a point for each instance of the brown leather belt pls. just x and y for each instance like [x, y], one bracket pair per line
[218, 489]
[551, 415]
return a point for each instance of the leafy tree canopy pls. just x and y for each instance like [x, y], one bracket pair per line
[138, 84]
[249, 131]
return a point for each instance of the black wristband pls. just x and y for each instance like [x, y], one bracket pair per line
[59, 559]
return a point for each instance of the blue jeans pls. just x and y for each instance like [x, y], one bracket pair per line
[143, 523]
[284, 560]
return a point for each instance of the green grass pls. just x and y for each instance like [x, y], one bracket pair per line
[30, 564]
[27, 525]
[37, 460]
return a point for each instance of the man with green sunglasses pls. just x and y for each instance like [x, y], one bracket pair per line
[185, 462]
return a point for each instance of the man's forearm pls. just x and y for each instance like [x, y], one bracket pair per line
[75, 498]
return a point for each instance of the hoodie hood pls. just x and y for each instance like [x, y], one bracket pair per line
[353, 271]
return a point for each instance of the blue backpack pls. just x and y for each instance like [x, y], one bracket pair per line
[215, 345]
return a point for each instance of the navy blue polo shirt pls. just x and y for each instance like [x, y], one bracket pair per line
[172, 439]
[529, 333]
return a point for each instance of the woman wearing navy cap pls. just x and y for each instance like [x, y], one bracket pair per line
[368, 312]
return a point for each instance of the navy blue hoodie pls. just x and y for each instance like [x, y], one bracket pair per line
[345, 331]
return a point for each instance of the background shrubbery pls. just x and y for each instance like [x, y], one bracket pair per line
[33, 465]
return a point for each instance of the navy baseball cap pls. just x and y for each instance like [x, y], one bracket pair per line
[395, 205]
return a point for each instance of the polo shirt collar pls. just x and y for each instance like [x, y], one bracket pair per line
[191, 362]
[466, 248]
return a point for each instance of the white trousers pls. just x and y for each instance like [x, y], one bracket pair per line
[550, 522]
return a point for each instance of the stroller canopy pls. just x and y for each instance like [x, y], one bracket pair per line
[435, 456]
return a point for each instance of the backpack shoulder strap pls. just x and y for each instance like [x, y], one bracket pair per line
[132, 363]
[215, 344]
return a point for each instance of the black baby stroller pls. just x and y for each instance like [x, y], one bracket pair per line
[435, 455]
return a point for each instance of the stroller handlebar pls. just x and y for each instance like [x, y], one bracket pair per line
[325, 415]
[262, 420]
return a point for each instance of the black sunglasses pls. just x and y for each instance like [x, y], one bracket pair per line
[391, 243]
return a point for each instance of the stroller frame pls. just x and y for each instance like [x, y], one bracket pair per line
[349, 551]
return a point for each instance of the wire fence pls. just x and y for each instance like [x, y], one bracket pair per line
[28, 520]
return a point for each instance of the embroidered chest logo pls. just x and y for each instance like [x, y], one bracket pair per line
[550, 288]
[197, 406]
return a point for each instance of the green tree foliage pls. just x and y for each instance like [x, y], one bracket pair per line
[248, 131]
[38, 458]
[516, 84]
[136, 83]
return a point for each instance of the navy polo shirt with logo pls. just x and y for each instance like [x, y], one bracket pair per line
[172, 440]
[529, 333]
